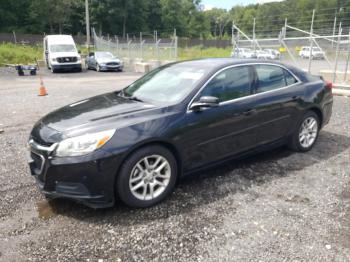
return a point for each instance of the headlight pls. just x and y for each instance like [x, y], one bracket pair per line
[54, 59]
[82, 145]
[103, 64]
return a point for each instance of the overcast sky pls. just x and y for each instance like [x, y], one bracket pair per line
[227, 4]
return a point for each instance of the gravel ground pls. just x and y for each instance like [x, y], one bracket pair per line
[276, 206]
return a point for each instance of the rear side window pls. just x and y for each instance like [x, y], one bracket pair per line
[271, 77]
[230, 84]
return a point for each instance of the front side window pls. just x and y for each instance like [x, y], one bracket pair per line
[271, 77]
[230, 84]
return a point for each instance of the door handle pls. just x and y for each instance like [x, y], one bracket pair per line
[249, 112]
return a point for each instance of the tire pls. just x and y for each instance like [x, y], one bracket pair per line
[134, 168]
[53, 70]
[297, 143]
[98, 68]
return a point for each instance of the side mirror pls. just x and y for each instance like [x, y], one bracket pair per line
[46, 52]
[79, 51]
[205, 101]
[91, 54]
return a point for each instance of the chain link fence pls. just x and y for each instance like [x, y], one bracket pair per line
[327, 45]
[141, 49]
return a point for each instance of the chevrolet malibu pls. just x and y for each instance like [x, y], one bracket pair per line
[135, 144]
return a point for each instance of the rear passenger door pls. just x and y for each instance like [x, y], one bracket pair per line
[277, 94]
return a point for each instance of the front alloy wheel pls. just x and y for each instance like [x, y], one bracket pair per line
[147, 176]
[150, 177]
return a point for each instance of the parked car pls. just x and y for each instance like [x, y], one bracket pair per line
[243, 53]
[316, 53]
[274, 54]
[262, 54]
[134, 144]
[103, 61]
[60, 53]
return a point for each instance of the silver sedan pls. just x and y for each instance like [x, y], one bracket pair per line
[103, 61]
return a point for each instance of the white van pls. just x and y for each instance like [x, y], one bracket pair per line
[60, 53]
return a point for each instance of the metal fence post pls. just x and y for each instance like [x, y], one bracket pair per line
[334, 25]
[117, 42]
[141, 46]
[254, 47]
[311, 42]
[129, 43]
[337, 53]
[175, 44]
[347, 60]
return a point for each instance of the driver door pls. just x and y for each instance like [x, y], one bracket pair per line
[217, 132]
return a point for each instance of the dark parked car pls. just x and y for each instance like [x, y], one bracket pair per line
[136, 143]
[103, 61]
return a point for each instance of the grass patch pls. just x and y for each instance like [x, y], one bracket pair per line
[200, 52]
[18, 54]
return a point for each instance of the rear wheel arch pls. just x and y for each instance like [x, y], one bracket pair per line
[319, 113]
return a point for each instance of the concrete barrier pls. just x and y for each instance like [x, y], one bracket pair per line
[41, 63]
[328, 75]
[154, 64]
[142, 67]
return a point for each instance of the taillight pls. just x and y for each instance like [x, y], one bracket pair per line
[329, 84]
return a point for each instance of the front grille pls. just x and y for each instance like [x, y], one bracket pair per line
[68, 59]
[113, 63]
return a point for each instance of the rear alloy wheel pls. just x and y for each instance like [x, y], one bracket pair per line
[306, 135]
[147, 177]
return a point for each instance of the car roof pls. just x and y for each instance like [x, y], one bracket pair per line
[217, 63]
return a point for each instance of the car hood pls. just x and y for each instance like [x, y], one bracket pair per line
[64, 54]
[107, 111]
[107, 60]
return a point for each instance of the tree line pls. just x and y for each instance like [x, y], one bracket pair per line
[189, 17]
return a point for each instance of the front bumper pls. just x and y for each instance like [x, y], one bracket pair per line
[79, 178]
[111, 67]
[67, 67]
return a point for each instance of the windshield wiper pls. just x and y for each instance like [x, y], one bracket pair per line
[124, 95]
[134, 98]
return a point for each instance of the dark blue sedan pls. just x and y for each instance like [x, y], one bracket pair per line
[136, 143]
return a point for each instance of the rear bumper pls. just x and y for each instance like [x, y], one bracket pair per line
[85, 180]
[327, 112]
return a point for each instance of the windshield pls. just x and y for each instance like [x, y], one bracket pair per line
[104, 55]
[168, 84]
[62, 48]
